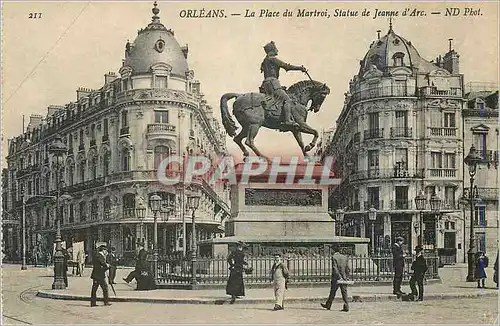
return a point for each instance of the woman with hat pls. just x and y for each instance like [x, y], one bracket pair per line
[419, 267]
[236, 260]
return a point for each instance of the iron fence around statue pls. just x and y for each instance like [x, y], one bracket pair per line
[304, 270]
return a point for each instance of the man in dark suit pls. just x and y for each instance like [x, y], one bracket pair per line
[112, 260]
[340, 274]
[398, 263]
[98, 277]
[419, 267]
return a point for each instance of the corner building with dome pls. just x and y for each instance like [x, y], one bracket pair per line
[399, 134]
[116, 137]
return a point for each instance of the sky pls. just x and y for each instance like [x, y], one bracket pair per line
[74, 44]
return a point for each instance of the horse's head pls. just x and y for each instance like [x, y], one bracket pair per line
[318, 95]
[310, 90]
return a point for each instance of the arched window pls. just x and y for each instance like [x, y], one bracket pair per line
[71, 172]
[125, 159]
[105, 164]
[160, 153]
[81, 171]
[93, 168]
[398, 59]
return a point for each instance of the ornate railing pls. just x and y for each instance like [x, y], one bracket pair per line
[374, 133]
[404, 132]
[442, 173]
[432, 91]
[386, 91]
[442, 131]
[177, 270]
[160, 128]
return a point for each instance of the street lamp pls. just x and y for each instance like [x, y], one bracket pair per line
[471, 160]
[155, 205]
[372, 216]
[140, 213]
[420, 201]
[193, 201]
[58, 149]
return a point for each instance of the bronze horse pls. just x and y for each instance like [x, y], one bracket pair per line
[254, 110]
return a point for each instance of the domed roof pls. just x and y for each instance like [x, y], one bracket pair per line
[156, 44]
[386, 53]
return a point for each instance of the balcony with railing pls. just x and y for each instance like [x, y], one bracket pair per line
[442, 132]
[160, 129]
[396, 172]
[401, 204]
[385, 91]
[401, 132]
[377, 204]
[433, 91]
[374, 133]
[442, 173]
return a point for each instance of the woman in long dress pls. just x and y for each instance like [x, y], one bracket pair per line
[236, 260]
[480, 273]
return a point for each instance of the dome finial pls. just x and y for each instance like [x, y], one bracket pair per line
[155, 11]
[390, 24]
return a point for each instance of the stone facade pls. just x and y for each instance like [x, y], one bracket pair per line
[399, 133]
[116, 137]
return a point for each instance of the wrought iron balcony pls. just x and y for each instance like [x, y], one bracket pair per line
[432, 91]
[399, 204]
[374, 133]
[386, 91]
[397, 132]
[376, 204]
[161, 129]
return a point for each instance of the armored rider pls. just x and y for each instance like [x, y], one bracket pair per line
[271, 85]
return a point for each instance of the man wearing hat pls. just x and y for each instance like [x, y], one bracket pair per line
[271, 86]
[419, 267]
[98, 277]
[340, 276]
[398, 263]
[279, 277]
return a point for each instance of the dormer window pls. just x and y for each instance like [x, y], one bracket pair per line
[480, 104]
[398, 59]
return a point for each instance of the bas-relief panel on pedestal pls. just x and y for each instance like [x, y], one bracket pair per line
[283, 197]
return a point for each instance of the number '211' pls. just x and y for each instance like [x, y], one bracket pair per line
[35, 15]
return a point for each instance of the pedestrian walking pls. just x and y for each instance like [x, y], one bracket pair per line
[340, 279]
[98, 277]
[141, 273]
[113, 262]
[236, 260]
[279, 277]
[398, 263]
[480, 272]
[80, 262]
[419, 267]
[66, 257]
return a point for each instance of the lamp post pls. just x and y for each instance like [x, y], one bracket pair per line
[193, 202]
[339, 218]
[435, 203]
[420, 201]
[140, 213]
[58, 149]
[155, 205]
[372, 216]
[471, 160]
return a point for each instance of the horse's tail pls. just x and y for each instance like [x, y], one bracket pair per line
[227, 119]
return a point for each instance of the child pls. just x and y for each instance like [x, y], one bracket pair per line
[419, 267]
[279, 276]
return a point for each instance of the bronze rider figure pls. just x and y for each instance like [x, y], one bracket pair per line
[271, 85]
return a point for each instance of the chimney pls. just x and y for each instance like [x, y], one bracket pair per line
[185, 50]
[451, 60]
[53, 109]
[82, 92]
[35, 121]
[109, 77]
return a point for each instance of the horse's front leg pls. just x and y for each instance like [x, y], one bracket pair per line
[305, 128]
[298, 138]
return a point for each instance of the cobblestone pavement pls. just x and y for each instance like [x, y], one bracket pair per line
[20, 306]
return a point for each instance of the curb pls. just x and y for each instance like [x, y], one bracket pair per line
[212, 301]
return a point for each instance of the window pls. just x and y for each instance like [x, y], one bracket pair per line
[160, 153]
[449, 161]
[373, 159]
[92, 131]
[129, 205]
[480, 216]
[373, 121]
[93, 209]
[125, 84]
[93, 168]
[190, 121]
[125, 161]
[160, 81]
[81, 137]
[449, 197]
[106, 207]
[161, 116]
[399, 86]
[449, 120]
[83, 212]
[70, 141]
[398, 59]
[436, 160]
[124, 119]
[105, 127]
[402, 197]
[481, 241]
[373, 198]
[82, 171]
[71, 213]
[480, 144]
[401, 119]
[105, 164]
[401, 156]
[70, 174]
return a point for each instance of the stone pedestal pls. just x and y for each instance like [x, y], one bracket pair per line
[280, 217]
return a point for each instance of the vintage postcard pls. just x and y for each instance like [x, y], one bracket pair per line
[274, 162]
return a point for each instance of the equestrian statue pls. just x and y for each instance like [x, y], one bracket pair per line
[275, 107]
